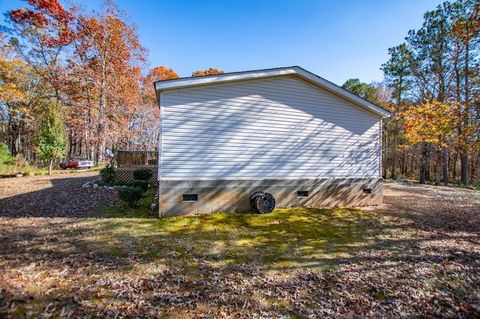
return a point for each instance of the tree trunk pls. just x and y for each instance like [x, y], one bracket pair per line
[423, 164]
[101, 126]
[396, 130]
[438, 167]
[464, 168]
[50, 167]
[13, 146]
[454, 166]
[464, 156]
[445, 166]
[70, 143]
[394, 155]
[428, 149]
[102, 109]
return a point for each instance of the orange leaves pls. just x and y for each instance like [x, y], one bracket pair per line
[160, 73]
[210, 71]
[107, 64]
[430, 122]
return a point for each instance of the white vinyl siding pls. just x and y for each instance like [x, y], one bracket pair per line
[279, 127]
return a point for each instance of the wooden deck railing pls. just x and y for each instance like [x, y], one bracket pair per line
[136, 158]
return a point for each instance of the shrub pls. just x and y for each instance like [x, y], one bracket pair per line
[130, 195]
[139, 183]
[5, 157]
[11, 164]
[108, 175]
[142, 174]
[476, 185]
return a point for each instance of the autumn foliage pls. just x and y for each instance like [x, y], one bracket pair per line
[210, 71]
[47, 14]
[159, 73]
[430, 122]
[434, 79]
[91, 65]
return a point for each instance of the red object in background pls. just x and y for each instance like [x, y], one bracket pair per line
[76, 163]
[69, 164]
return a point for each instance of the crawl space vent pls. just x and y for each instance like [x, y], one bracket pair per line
[302, 193]
[190, 197]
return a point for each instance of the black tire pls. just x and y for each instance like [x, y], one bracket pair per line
[262, 202]
[253, 199]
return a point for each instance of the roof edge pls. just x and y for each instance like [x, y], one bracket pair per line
[175, 84]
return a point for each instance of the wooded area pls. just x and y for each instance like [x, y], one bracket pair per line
[89, 71]
[432, 87]
[86, 75]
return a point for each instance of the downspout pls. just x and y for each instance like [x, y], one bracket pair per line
[160, 150]
[381, 163]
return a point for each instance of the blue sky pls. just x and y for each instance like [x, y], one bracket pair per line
[334, 39]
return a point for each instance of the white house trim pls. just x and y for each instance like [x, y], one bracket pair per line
[169, 85]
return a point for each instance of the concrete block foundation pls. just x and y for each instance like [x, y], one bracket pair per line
[234, 195]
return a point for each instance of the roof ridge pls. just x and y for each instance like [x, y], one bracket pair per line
[230, 73]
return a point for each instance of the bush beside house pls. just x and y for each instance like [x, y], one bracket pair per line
[135, 189]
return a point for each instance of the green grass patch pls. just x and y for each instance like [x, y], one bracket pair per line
[285, 238]
[142, 210]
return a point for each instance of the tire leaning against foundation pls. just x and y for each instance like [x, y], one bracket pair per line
[262, 202]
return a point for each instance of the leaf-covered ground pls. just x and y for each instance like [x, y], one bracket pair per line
[417, 255]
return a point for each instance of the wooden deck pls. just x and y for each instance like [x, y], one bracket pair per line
[129, 158]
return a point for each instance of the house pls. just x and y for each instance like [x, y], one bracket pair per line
[283, 131]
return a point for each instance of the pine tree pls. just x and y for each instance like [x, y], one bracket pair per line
[397, 72]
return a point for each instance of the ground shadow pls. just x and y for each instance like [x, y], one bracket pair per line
[222, 262]
[55, 196]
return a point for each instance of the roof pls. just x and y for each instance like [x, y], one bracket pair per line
[167, 85]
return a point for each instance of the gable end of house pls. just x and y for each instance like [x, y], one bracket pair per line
[209, 80]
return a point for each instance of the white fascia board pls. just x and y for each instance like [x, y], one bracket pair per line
[250, 75]
[195, 81]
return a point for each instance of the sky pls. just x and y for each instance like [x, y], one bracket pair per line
[336, 39]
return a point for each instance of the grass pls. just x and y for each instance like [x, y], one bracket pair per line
[121, 210]
[137, 247]
[291, 263]
[32, 170]
[285, 238]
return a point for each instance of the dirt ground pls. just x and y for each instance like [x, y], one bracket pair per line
[59, 195]
[418, 255]
[433, 207]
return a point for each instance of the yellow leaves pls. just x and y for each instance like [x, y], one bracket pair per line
[11, 77]
[430, 122]
[11, 73]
